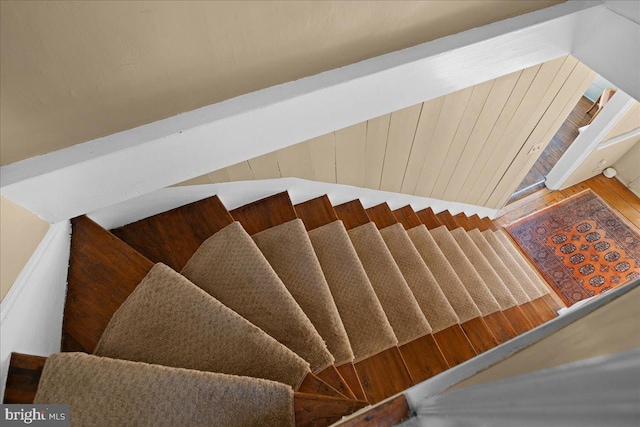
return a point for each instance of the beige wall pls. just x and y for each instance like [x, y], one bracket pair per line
[628, 167]
[471, 146]
[629, 122]
[74, 71]
[20, 234]
[610, 329]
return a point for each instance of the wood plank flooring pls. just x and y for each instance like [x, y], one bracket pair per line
[568, 132]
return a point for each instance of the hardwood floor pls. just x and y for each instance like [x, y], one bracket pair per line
[610, 190]
[568, 132]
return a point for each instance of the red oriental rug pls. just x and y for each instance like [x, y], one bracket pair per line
[580, 245]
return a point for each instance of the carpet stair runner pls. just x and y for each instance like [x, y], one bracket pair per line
[276, 314]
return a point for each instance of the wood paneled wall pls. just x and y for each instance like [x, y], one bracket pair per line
[471, 146]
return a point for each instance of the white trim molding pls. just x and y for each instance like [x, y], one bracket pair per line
[106, 171]
[589, 140]
[239, 193]
[31, 312]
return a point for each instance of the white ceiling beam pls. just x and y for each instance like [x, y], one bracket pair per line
[109, 170]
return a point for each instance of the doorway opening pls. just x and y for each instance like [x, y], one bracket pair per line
[583, 113]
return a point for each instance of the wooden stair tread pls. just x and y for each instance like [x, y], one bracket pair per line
[464, 221]
[428, 218]
[382, 216]
[407, 217]
[517, 319]
[265, 213]
[23, 378]
[332, 377]
[423, 358]
[543, 308]
[316, 212]
[489, 224]
[500, 326]
[314, 385]
[316, 411]
[455, 345]
[352, 214]
[478, 222]
[479, 334]
[172, 237]
[447, 220]
[348, 372]
[383, 375]
[532, 314]
[552, 302]
[103, 272]
[387, 414]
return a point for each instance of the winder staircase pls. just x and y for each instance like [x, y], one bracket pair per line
[276, 314]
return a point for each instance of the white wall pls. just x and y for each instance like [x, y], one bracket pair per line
[628, 167]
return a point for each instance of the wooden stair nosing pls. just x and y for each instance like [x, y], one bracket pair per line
[447, 220]
[407, 217]
[103, 272]
[500, 326]
[332, 377]
[428, 218]
[383, 375]
[382, 216]
[387, 414]
[348, 372]
[543, 308]
[172, 237]
[316, 212]
[518, 319]
[455, 345]
[423, 358]
[265, 213]
[479, 334]
[352, 214]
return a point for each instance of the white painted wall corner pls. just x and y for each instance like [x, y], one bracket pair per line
[31, 312]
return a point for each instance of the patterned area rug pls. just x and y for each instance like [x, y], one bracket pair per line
[580, 246]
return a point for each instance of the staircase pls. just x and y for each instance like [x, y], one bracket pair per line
[201, 314]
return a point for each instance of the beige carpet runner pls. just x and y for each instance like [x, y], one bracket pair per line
[230, 267]
[169, 321]
[478, 290]
[529, 287]
[499, 266]
[364, 319]
[451, 285]
[104, 392]
[432, 300]
[522, 262]
[289, 251]
[493, 281]
[399, 304]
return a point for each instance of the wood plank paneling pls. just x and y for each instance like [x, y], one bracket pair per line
[517, 94]
[564, 102]
[520, 125]
[402, 131]
[240, 172]
[323, 157]
[476, 103]
[375, 149]
[496, 102]
[350, 154]
[452, 110]
[265, 166]
[424, 133]
[295, 161]
[221, 175]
